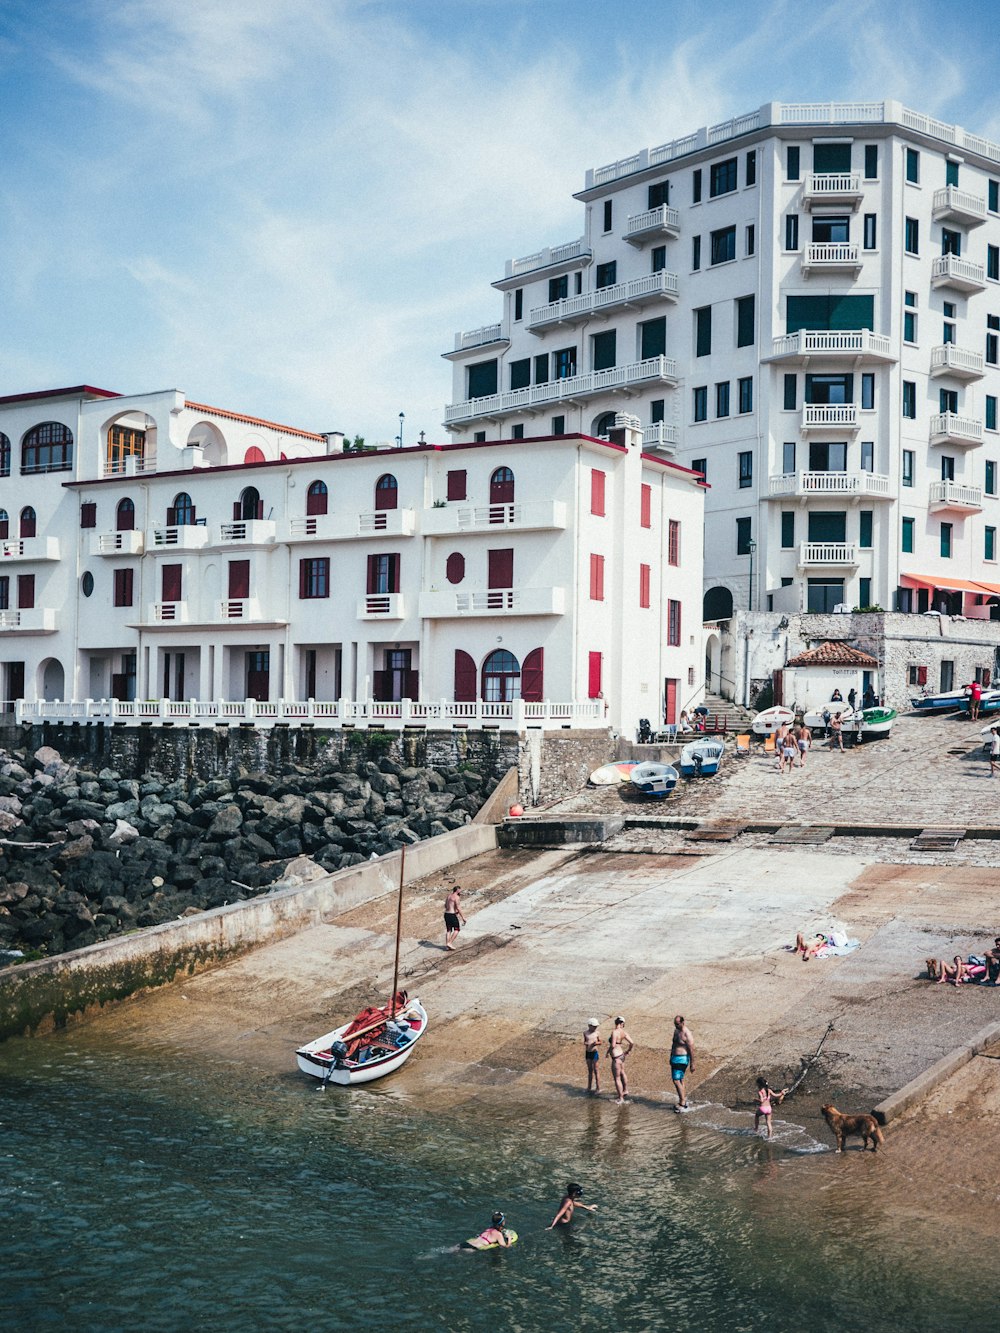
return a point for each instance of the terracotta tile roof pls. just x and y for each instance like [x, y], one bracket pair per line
[832, 653]
[252, 421]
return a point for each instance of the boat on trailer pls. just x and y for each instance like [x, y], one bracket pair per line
[376, 1042]
[702, 758]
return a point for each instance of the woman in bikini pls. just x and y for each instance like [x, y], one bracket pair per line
[763, 1112]
[495, 1234]
[617, 1043]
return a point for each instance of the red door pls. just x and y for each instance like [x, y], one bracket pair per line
[239, 580]
[670, 701]
[170, 583]
[594, 666]
[777, 686]
[500, 574]
[465, 678]
[25, 591]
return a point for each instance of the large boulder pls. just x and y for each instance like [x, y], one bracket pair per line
[227, 822]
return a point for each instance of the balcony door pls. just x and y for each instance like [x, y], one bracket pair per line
[829, 526]
[239, 580]
[824, 457]
[258, 675]
[170, 583]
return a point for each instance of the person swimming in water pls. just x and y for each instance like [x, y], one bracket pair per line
[495, 1234]
[571, 1201]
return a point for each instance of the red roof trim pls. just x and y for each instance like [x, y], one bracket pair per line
[77, 391]
[252, 421]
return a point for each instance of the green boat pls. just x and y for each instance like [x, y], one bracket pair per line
[875, 722]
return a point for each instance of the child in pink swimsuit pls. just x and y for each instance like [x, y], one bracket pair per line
[764, 1095]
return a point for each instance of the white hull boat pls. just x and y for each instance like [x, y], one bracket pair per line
[820, 716]
[379, 1045]
[768, 722]
[654, 779]
[701, 759]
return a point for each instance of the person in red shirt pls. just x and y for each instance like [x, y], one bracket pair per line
[975, 694]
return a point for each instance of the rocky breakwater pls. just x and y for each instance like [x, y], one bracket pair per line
[85, 855]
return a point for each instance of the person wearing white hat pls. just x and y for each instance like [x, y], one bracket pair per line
[592, 1054]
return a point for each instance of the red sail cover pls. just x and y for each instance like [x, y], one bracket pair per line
[369, 1019]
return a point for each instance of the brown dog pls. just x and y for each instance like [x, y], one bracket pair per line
[845, 1126]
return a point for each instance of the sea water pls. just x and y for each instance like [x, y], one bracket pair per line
[152, 1192]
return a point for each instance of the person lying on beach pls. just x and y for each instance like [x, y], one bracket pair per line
[809, 950]
[955, 971]
[571, 1201]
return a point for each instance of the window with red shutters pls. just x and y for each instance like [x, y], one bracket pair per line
[674, 543]
[457, 484]
[254, 455]
[383, 573]
[533, 676]
[125, 515]
[239, 579]
[4, 525]
[25, 591]
[594, 661]
[124, 581]
[644, 585]
[88, 514]
[386, 492]
[646, 506]
[597, 578]
[454, 567]
[314, 577]
[466, 678]
[500, 568]
[170, 583]
[674, 624]
[317, 498]
[921, 675]
[502, 487]
[597, 492]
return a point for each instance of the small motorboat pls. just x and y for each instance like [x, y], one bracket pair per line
[874, 722]
[374, 1043]
[610, 775]
[821, 715]
[940, 703]
[701, 759]
[651, 779]
[768, 722]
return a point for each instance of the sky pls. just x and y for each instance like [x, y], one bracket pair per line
[288, 208]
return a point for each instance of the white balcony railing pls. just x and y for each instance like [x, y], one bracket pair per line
[238, 608]
[949, 428]
[874, 484]
[662, 221]
[829, 416]
[136, 465]
[29, 548]
[832, 187]
[381, 606]
[481, 337]
[128, 542]
[827, 553]
[655, 370]
[961, 274]
[860, 344]
[352, 527]
[183, 537]
[661, 436]
[958, 206]
[445, 603]
[949, 359]
[29, 620]
[638, 291]
[831, 255]
[954, 495]
[518, 516]
[165, 613]
[247, 532]
[547, 258]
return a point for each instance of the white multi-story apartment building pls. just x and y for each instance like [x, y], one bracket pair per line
[803, 304]
[152, 548]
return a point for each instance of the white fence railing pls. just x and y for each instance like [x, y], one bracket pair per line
[959, 203]
[338, 714]
[832, 184]
[952, 270]
[949, 357]
[833, 342]
[649, 287]
[956, 495]
[949, 425]
[662, 369]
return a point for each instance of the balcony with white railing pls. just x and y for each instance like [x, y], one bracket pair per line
[830, 554]
[959, 362]
[832, 187]
[471, 340]
[817, 417]
[856, 344]
[238, 608]
[654, 370]
[659, 438]
[962, 275]
[568, 255]
[352, 527]
[130, 541]
[29, 548]
[437, 604]
[28, 620]
[831, 256]
[651, 287]
[822, 485]
[169, 613]
[247, 532]
[180, 537]
[654, 222]
[954, 205]
[136, 465]
[381, 606]
[451, 520]
[954, 495]
[949, 428]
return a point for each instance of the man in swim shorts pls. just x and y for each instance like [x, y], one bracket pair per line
[453, 918]
[592, 1055]
[681, 1060]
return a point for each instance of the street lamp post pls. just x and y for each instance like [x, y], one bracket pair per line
[399, 437]
[751, 547]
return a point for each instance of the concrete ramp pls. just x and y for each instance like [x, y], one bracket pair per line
[571, 830]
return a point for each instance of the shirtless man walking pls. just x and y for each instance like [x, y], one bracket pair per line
[681, 1060]
[453, 918]
[592, 1055]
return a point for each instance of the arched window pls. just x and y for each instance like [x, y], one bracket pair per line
[4, 525]
[125, 515]
[317, 498]
[4, 455]
[124, 442]
[501, 677]
[502, 487]
[47, 448]
[254, 455]
[29, 522]
[454, 567]
[181, 512]
[386, 492]
[249, 505]
[605, 424]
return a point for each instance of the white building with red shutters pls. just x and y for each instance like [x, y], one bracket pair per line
[163, 560]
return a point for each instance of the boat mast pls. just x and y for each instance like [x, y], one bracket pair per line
[399, 929]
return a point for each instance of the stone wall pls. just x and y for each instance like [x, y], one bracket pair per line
[554, 764]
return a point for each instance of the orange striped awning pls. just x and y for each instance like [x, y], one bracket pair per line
[949, 584]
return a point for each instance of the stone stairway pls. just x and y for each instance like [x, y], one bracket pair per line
[723, 714]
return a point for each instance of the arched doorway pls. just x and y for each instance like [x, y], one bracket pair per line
[604, 424]
[713, 664]
[718, 604]
[249, 505]
[51, 679]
